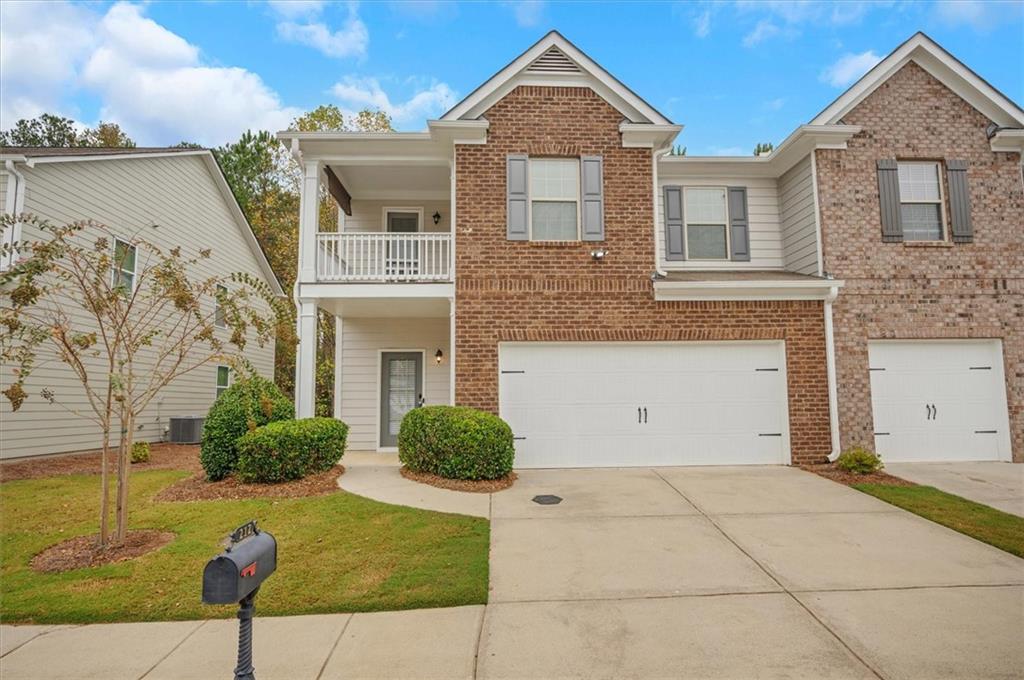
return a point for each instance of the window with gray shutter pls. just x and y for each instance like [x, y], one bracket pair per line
[739, 225]
[518, 197]
[674, 248]
[592, 193]
[959, 202]
[889, 200]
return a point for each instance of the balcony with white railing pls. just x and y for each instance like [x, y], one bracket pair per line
[376, 257]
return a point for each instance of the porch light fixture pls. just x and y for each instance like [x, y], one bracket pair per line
[437, 220]
[438, 357]
[598, 255]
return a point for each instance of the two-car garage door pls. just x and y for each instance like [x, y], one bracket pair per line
[630, 404]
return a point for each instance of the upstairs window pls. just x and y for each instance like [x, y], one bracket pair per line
[706, 214]
[123, 275]
[219, 316]
[554, 199]
[920, 201]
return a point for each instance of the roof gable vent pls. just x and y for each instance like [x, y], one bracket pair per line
[553, 61]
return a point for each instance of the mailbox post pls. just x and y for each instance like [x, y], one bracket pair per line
[235, 575]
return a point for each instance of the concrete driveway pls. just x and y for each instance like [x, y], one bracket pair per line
[999, 485]
[736, 573]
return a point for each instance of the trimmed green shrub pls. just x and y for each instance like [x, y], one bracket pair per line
[456, 442]
[860, 460]
[290, 449]
[244, 406]
[140, 452]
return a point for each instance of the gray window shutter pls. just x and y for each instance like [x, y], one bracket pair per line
[675, 244]
[889, 201]
[592, 170]
[959, 202]
[739, 225]
[518, 197]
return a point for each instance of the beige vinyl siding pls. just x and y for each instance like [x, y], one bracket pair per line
[763, 206]
[368, 215]
[362, 341]
[177, 194]
[799, 220]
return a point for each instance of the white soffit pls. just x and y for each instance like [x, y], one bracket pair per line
[944, 67]
[554, 61]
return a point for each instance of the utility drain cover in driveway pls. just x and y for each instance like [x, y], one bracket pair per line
[547, 499]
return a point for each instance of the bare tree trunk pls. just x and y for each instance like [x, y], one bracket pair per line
[123, 462]
[105, 492]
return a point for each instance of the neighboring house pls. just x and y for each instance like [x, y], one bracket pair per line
[170, 197]
[538, 254]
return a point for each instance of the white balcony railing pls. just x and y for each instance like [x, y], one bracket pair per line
[352, 256]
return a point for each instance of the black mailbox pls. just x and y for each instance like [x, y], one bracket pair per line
[238, 571]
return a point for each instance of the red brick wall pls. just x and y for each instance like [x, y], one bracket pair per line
[896, 290]
[515, 291]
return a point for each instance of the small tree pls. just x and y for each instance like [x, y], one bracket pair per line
[763, 147]
[150, 320]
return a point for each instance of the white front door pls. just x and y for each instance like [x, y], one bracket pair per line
[936, 400]
[630, 404]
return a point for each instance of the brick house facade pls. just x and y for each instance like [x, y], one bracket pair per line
[921, 290]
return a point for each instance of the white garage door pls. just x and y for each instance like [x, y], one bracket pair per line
[937, 400]
[626, 404]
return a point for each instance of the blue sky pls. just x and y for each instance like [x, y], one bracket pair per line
[734, 73]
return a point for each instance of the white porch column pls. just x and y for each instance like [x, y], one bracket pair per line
[451, 351]
[339, 329]
[305, 361]
[309, 214]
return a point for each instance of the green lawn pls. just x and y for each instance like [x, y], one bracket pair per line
[336, 553]
[1001, 529]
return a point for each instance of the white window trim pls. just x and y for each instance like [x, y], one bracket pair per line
[217, 387]
[687, 223]
[115, 269]
[944, 232]
[398, 209]
[530, 199]
[218, 310]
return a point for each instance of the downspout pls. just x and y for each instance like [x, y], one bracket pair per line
[658, 271]
[830, 369]
[14, 205]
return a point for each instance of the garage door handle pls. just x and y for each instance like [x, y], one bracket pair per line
[645, 415]
[639, 418]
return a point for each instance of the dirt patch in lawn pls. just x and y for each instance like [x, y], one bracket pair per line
[472, 485]
[198, 488]
[82, 551]
[163, 456]
[838, 474]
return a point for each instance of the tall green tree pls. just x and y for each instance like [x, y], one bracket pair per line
[46, 130]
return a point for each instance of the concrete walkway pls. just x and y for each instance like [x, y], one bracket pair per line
[674, 572]
[999, 485]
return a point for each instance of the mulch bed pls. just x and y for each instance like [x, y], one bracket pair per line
[81, 552]
[837, 474]
[162, 457]
[475, 486]
[197, 488]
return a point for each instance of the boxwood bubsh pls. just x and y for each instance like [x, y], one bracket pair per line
[456, 442]
[290, 449]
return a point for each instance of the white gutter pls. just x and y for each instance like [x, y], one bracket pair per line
[14, 204]
[655, 155]
[830, 369]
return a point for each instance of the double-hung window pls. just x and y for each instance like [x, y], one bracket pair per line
[223, 379]
[706, 215]
[219, 315]
[554, 199]
[123, 275]
[920, 201]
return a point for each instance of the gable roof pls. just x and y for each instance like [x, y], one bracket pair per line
[944, 67]
[553, 60]
[33, 155]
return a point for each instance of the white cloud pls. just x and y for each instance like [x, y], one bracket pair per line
[301, 22]
[982, 16]
[355, 93]
[775, 104]
[296, 8]
[702, 24]
[527, 12]
[849, 68]
[820, 12]
[763, 30]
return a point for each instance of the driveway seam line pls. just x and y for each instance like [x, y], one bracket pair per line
[479, 638]
[334, 647]
[772, 576]
[174, 649]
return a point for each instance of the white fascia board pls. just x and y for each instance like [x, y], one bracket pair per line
[942, 65]
[341, 290]
[459, 131]
[647, 135]
[31, 161]
[1008, 140]
[288, 135]
[667, 291]
[603, 83]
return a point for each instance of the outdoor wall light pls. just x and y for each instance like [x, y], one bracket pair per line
[598, 255]
[437, 220]
[438, 357]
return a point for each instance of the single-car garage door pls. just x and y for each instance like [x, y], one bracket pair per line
[626, 404]
[936, 400]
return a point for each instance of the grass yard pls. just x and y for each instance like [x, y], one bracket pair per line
[336, 553]
[1001, 529]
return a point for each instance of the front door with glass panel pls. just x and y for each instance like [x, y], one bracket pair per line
[401, 390]
[403, 252]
